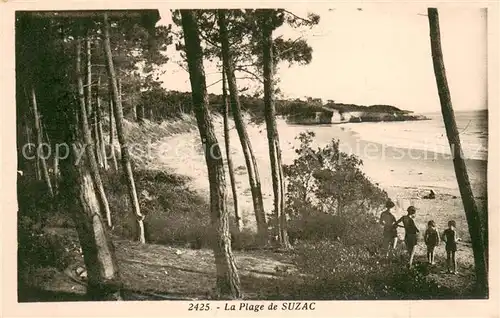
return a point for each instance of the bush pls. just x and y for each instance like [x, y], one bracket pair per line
[245, 239]
[316, 226]
[329, 203]
[339, 271]
[38, 249]
[173, 213]
[329, 197]
[328, 180]
[36, 204]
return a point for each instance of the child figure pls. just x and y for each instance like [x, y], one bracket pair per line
[451, 238]
[431, 238]
[411, 231]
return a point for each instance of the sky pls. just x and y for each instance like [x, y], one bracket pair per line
[376, 55]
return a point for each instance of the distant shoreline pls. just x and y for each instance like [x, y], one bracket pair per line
[324, 115]
[409, 171]
[354, 122]
[399, 168]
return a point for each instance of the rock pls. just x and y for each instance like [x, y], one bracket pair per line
[83, 276]
[81, 272]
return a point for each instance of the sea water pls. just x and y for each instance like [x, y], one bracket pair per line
[430, 135]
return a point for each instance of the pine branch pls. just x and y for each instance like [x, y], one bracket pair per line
[299, 18]
[291, 46]
[255, 76]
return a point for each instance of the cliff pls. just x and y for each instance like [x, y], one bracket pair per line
[335, 113]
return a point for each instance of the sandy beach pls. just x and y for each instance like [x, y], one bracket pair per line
[406, 174]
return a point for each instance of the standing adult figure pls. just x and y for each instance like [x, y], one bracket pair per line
[411, 231]
[387, 219]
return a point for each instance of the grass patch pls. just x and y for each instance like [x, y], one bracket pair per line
[175, 215]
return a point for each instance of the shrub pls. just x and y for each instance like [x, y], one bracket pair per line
[328, 180]
[316, 226]
[173, 213]
[245, 239]
[35, 203]
[328, 196]
[342, 270]
[38, 249]
[329, 203]
[339, 271]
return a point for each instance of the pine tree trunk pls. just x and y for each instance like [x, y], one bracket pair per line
[272, 134]
[28, 138]
[140, 113]
[33, 168]
[101, 146]
[47, 163]
[56, 175]
[102, 270]
[228, 282]
[112, 131]
[86, 136]
[41, 163]
[90, 111]
[471, 211]
[29, 130]
[55, 159]
[253, 172]
[134, 111]
[104, 281]
[88, 76]
[95, 137]
[230, 167]
[119, 83]
[125, 156]
[151, 115]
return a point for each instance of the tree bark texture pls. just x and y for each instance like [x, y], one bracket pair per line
[230, 166]
[125, 155]
[86, 136]
[470, 207]
[251, 163]
[100, 136]
[41, 162]
[228, 282]
[272, 134]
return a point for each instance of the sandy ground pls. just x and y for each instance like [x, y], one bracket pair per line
[406, 174]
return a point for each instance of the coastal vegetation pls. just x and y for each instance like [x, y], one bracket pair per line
[172, 104]
[125, 226]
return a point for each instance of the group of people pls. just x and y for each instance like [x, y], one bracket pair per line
[432, 238]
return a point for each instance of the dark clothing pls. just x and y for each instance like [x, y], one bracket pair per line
[409, 225]
[410, 240]
[431, 237]
[411, 231]
[388, 220]
[450, 237]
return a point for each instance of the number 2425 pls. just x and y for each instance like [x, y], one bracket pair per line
[199, 307]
